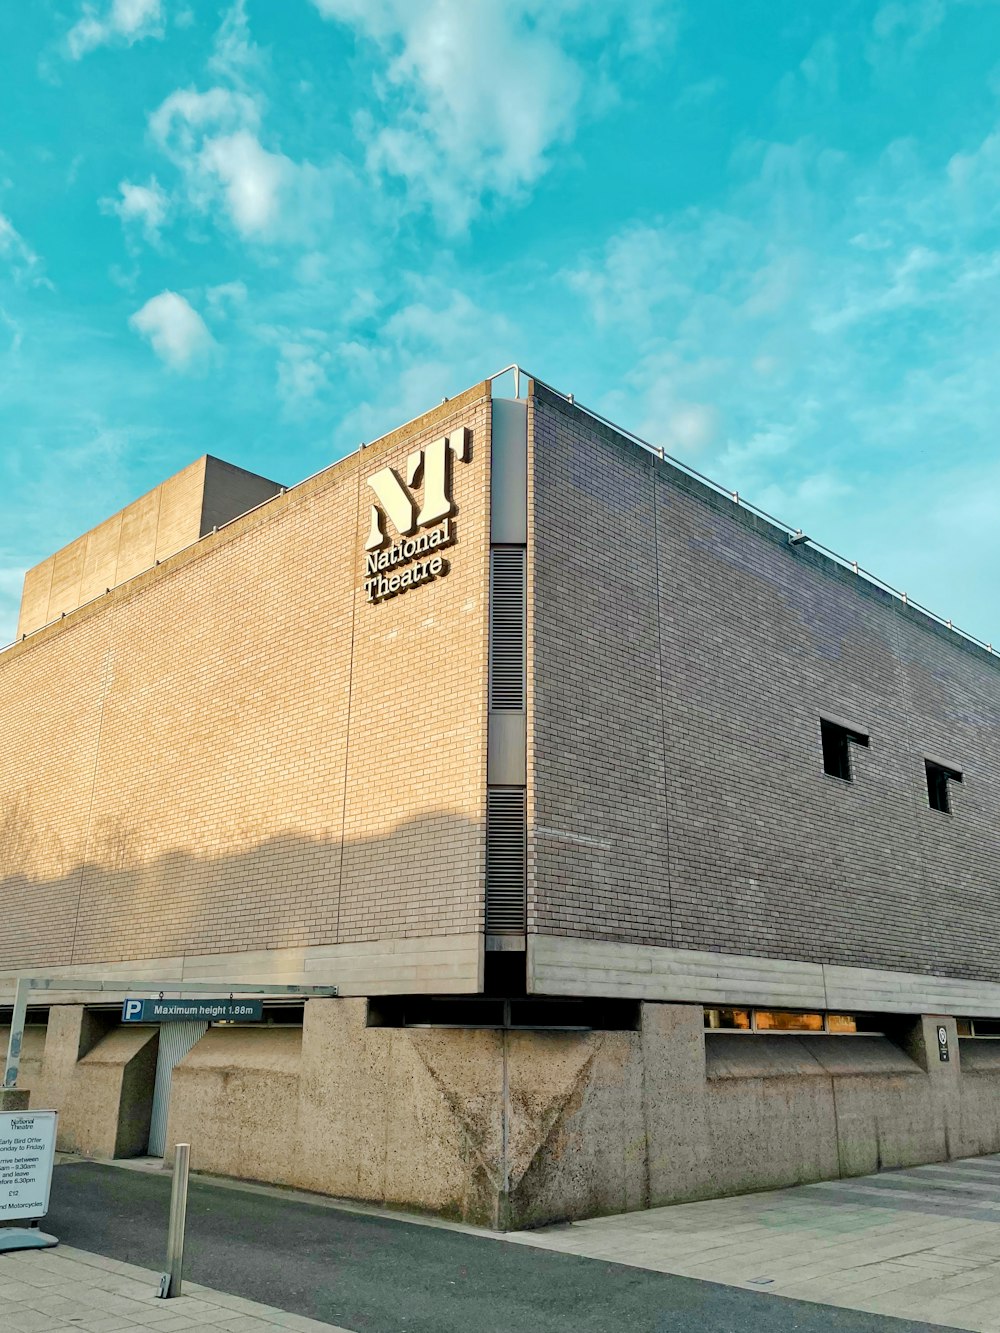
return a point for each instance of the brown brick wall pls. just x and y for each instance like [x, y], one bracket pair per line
[683, 653]
[236, 751]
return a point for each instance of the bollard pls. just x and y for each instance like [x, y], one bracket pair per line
[170, 1282]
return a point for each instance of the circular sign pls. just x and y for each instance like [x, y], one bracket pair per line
[943, 1036]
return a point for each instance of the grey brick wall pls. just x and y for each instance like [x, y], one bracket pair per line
[682, 655]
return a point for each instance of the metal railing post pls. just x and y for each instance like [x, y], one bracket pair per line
[170, 1283]
[17, 1018]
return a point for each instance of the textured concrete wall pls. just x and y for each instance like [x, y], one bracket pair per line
[181, 509]
[419, 1118]
[237, 752]
[103, 1096]
[679, 794]
[238, 1090]
[71, 1033]
[571, 965]
[523, 1128]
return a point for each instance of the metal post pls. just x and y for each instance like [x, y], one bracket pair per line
[170, 1282]
[16, 1032]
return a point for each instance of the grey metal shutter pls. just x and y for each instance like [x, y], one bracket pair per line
[507, 628]
[506, 860]
[176, 1039]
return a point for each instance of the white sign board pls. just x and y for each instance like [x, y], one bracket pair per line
[27, 1152]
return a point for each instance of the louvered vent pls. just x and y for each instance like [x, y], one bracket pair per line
[507, 629]
[506, 861]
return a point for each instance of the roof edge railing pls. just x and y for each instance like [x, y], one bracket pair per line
[795, 536]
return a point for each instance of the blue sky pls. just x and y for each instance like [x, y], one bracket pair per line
[762, 233]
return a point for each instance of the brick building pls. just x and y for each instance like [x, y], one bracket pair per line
[652, 852]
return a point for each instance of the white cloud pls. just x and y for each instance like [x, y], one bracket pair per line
[301, 373]
[226, 297]
[805, 500]
[692, 426]
[478, 96]
[175, 330]
[212, 137]
[13, 330]
[123, 23]
[842, 321]
[899, 29]
[236, 56]
[436, 342]
[186, 116]
[143, 206]
[639, 269]
[252, 179]
[24, 263]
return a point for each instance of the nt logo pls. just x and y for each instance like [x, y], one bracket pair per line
[430, 468]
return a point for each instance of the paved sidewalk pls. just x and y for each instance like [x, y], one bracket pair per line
[363, 1270]
[918, 1244]
[64, 1290]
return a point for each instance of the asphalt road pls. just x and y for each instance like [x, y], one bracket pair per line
[379, 1275]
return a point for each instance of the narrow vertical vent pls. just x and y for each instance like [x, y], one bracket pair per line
[506, 860]
[507, 628]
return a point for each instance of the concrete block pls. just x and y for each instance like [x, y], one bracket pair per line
[107, 1112]
[235, 1098]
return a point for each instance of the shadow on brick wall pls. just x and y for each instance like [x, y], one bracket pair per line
[288, 891]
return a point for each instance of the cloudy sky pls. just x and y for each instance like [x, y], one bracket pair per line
[762, 233]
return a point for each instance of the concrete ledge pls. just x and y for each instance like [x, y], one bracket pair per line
[565, 965]
[738, 1055]
[438, 964]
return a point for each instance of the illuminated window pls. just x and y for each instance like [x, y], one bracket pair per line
[781, 1020]
[837, 741]
[841, 1023]
[777, 1020]
[938, 778]
[738, 1019]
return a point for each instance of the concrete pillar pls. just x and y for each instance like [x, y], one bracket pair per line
[14, 1099]
[674, 1100]
[71, 1033]
[945, 1076]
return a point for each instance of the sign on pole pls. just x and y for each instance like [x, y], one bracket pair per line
[192, 1011]
[27, 1153]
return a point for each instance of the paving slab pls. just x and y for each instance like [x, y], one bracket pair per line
[50, 1291]
[920, 1243]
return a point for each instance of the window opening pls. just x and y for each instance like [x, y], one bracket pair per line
[978, 1027]
[938, 778]
[788, 1020]
[837, 742]
[513, 1013]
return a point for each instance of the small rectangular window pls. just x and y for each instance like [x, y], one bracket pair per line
[728, 1018]
[790, 1021]
[837, 742]
[841, 1023]
[778, 1020]
[938, 778]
